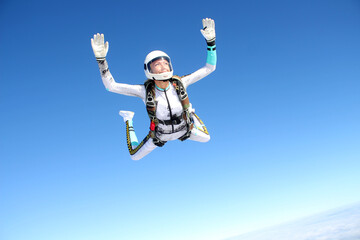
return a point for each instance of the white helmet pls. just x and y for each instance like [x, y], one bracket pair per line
[153, 56]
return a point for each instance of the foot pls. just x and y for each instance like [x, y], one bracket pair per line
[127, 115]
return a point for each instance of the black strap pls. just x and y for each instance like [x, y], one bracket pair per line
[174, 121]
[158, 142]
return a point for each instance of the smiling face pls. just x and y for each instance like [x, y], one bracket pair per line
[160, 66]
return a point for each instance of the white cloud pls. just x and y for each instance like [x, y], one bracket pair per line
[340, 224]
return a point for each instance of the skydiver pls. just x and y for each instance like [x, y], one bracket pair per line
[171, 114]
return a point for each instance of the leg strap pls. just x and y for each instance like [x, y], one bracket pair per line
[155, 139]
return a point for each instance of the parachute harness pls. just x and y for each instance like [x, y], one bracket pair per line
[151, 105]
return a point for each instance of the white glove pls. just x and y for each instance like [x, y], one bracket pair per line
[209, 29]
[100, 49]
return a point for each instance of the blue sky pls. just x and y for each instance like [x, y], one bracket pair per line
[282, 109]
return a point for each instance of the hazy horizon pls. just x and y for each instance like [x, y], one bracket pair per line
[342, 223]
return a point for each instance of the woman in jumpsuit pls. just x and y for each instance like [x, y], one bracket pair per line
[169, 109]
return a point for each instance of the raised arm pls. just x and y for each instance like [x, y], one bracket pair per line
[208, 32]
[100, 49]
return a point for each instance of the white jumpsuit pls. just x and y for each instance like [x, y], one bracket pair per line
[168, 103]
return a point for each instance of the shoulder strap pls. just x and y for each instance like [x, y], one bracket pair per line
[181, 91]
[150, 98]
[184, 99]
[151, 110]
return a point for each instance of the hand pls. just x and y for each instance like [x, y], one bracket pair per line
[209, 29]
[100, 49]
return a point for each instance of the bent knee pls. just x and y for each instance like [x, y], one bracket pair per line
[207, 138]
[200, 138]
[135, 157]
